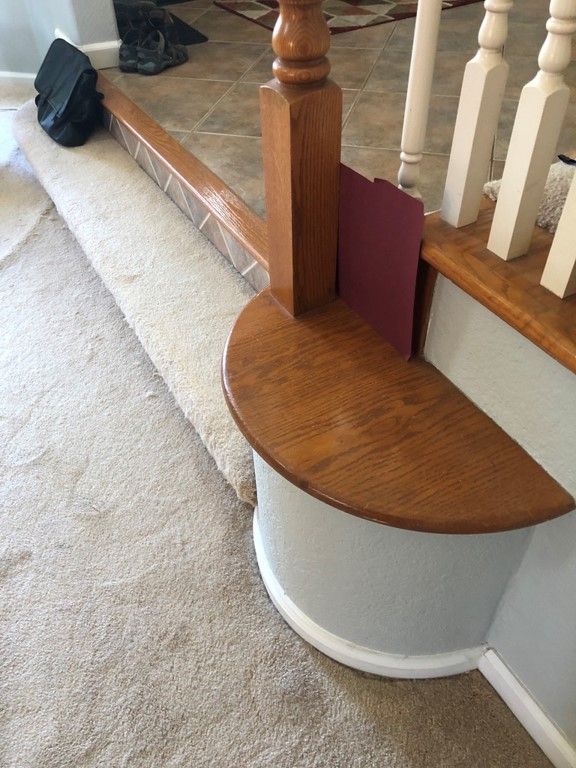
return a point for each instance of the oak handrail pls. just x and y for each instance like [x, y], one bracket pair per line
[215, 195]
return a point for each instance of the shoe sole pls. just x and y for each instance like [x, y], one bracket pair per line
[151, 67]
[128, 66]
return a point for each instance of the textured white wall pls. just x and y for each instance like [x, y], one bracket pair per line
[95, 20]
[83, 21]
[534, 399]
[394, 591]
[27, 28]
[19, 48]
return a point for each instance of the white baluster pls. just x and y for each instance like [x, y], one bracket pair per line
[559, 274]
[418, 94]
[477, 120]
[537, 126]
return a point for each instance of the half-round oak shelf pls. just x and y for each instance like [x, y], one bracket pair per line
[336, 411]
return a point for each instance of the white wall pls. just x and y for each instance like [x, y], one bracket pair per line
[389, 590]
[95, 20]
[27, 28]
[19, 48]
[534, 399]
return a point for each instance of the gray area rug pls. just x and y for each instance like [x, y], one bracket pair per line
[134, 629]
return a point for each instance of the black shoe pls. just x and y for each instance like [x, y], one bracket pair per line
[156, 54]
[129, 48]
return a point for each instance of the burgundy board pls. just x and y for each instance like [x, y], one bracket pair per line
[380, 233]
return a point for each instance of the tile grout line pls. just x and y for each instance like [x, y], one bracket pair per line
[251, 67]
[241, 79]
[392, 149]
[234, 84]
[362, 89]
[213, 107]
[148, 156]
[238, 81]
[187, 192]
[227, 135]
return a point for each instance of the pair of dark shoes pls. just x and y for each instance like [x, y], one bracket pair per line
[149, 40]
[149, 54]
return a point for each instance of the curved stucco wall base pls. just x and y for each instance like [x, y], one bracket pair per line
[351, 654]
[534, 399]
[392, 591]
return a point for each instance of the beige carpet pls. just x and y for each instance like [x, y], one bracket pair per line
[175, 289]
[14, 91]
[22, 200]
[134, 629]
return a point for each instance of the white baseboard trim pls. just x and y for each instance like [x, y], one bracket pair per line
[102, 55]
[548, 737]
[544, 732]
[350, 654]
[18, 75]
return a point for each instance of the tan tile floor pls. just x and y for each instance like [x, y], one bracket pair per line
[210, 104]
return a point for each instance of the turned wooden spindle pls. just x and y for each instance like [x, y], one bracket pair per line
[301, 40]
[301, 112]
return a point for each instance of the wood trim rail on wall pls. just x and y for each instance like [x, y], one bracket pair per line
[509, 289]
[224, 204]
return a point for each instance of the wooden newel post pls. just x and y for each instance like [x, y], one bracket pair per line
[301, 113]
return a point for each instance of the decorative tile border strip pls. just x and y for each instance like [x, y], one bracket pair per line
[189, 203]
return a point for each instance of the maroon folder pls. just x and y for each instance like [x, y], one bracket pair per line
[380, 233]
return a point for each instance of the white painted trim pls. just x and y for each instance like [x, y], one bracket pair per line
[548, 737]
[351, 654]
[18, 75]
[102, 55]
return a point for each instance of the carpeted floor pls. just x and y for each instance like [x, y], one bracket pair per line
[135, 629]
[22, 200]
[14, 91]
[177, 291]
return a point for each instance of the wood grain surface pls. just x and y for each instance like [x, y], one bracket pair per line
[511, 290]
[301, 129]
[301, 117]
[301, 40]
[333, 408]
[232, 212]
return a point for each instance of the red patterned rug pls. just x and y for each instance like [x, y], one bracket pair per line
[341, 15]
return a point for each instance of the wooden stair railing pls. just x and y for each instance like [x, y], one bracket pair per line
[301, 127]
[216, 197]
[354, 393]
[537, 126]
[509, 289]
[319, 394]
